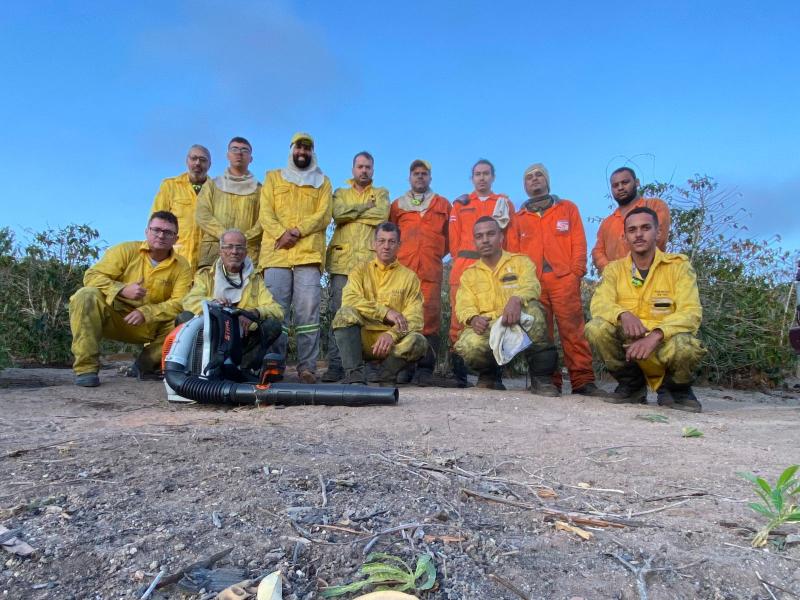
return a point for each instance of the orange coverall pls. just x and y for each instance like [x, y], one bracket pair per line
[462, 244]
[611, 244]
[557, 239]
[423, 245]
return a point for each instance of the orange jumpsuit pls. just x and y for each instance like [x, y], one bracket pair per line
[556, 243]
[423, 245]
[462, 244]
[611, 243]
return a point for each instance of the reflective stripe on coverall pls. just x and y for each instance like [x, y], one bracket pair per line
[372, 290]
[218, 211]
[611, 243]
[423, 246]
[668, 300]
[557, 238]
[96, 311]
[462, 244]
[177, 196]
[485, 292]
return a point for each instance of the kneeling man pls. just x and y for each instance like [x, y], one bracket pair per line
[233, 281]
[381, 313]
[133, 295]
[502, 286]
[645, 316]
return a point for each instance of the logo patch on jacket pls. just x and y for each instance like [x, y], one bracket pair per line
[562, 225]
[508, 278]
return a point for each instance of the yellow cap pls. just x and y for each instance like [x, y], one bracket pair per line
[419, 163]
[302, 137]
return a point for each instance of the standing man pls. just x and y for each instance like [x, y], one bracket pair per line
[549, 230]
[645, 316]
[422, 217]
[357, 210]
[381, 313]
[467, 209]
[295, 212]
[230, 201]
[502, 286]
[178, 195]
[611, 239]
[133, 295]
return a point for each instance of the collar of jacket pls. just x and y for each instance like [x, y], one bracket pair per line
[352, 183]
[504, 258]
[660, 257]
[144, 248]
[474, 196]
[528, 207]
[381, 267]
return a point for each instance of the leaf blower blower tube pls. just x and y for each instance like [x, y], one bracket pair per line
[205, 391]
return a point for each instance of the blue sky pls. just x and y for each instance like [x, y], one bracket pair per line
[102, 99]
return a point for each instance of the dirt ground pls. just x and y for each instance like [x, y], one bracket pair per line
[111, 485]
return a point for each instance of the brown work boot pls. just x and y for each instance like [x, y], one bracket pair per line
[307, 377]
[355, 376]
[590, 389]
[543, 386]
[679, 397]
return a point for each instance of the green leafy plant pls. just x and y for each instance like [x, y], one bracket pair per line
[691, 432]
[653, 418]
[388, 572]
[778, 503]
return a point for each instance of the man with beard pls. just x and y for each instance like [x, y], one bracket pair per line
[467, 209]
[178, 195]
[234, 281]
[549, 230]
[502, 286]
[381, 313]
[357, 210]
[422, 216]
[295, 212]
[230, 201]
[611, 241]
[133, 295]
[645, 316]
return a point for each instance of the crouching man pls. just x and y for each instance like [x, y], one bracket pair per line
[234, 281]
[381, 313]
[133, 295]
[502, 286]
[646, 313]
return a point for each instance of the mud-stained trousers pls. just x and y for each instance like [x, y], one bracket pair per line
[678, 358]
[334, 304]
[561, 298]
[475, 350]
[298, 290]
[410, 348]
[91, 320]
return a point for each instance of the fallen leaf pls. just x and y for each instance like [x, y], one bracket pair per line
[546, 493]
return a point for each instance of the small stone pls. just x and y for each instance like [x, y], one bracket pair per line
[138, 575]
[153, 565]
[179, 547]
[132, 550]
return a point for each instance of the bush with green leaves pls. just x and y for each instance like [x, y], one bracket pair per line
[778, 503]
[36, 282]
[387, 572]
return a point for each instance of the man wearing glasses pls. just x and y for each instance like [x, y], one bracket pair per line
[230, 201]
[295, 212]
[178, 195]
[234, 281]
[132, 295]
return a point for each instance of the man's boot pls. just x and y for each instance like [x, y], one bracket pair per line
[427, 364]
[542, 363]
[491, 379]
[348, 339]
[678, 396]
[631, 386]
[460, 371]
[590, 389]
[390, 367]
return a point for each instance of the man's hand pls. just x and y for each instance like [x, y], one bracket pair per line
[134, 291]
[396, 318]
[632, 326]
[223, 302]
[479, 324]
[642, 348]
[244, 325]
[134, 318]
[512, 311]
[288, 239]
[383, 345]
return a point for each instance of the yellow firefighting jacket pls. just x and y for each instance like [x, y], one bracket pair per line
[484, 291]
[667, 300]
[355, 226]
[177, 195]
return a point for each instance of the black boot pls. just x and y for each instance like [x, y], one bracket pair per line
[631, 386]
[542, 363]
[678, 396]
[390, 367]
[491, 379]
[427, 364]
[459, 371]
[348, 339]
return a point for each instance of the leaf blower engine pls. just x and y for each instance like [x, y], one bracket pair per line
[202, 359]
